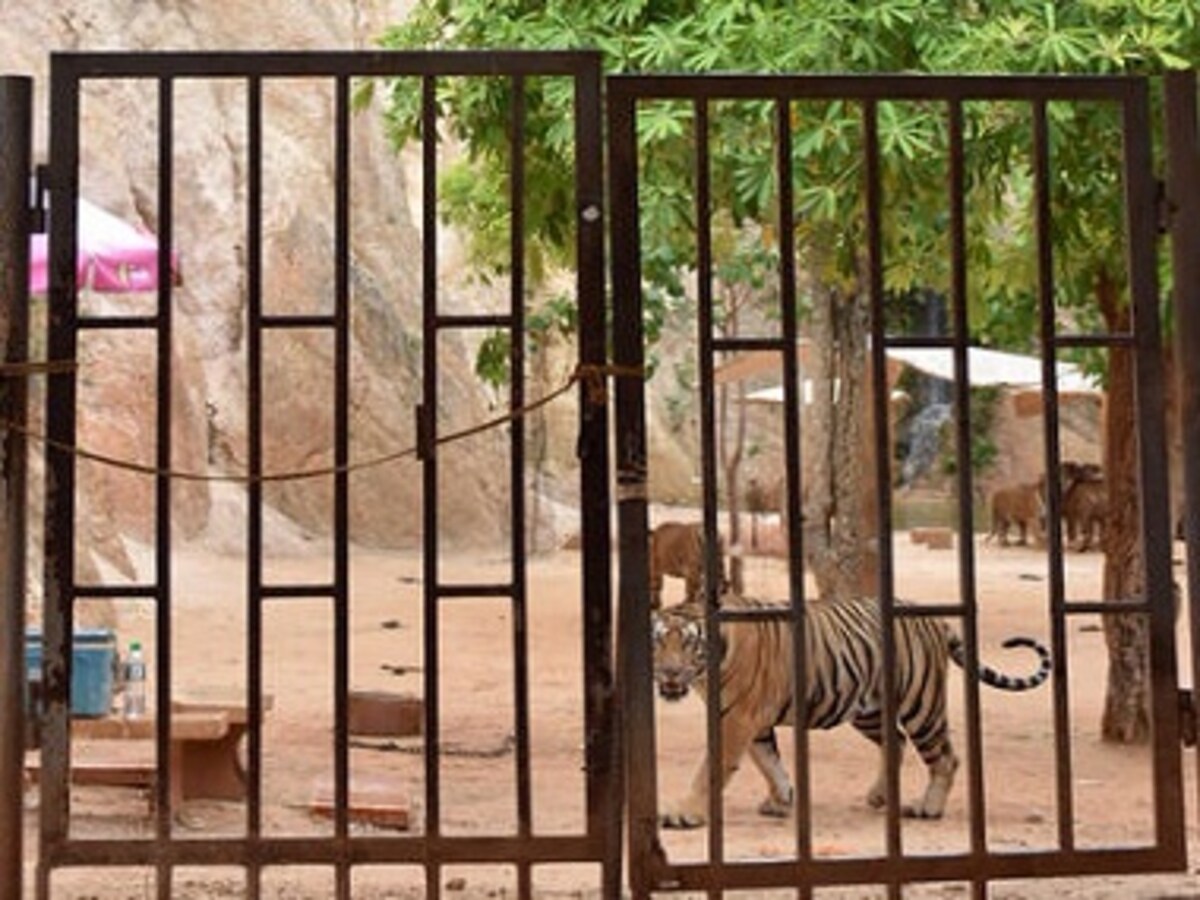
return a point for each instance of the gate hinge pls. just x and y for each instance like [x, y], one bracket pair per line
[37, 209]
[1164, 209]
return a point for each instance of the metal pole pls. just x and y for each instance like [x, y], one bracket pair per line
[1183, 193]
[16, 94]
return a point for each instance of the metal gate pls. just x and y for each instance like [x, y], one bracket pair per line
[801, 858]
[345, 851]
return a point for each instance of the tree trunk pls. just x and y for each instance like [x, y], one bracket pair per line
[731, 461]
[816, 434]
[855, 526]
[1126, 717]
[839, 447]
[731, 438]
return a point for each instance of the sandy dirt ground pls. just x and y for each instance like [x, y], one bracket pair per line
[1110, 786]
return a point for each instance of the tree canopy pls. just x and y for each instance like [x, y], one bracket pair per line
[1008, 36]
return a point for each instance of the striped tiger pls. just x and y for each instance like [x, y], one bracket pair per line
[844, 675]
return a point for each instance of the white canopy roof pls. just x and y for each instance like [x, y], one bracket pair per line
[993, 367]
[985, 368]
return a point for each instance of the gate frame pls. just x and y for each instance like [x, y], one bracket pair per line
[16, 144]
[649, 867]
[1183, 211]
[599, 842]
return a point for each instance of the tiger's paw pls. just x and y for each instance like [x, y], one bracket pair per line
[919, 811]
[775, 807]
[681, 815]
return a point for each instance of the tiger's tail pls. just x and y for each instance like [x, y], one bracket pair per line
[999, 680]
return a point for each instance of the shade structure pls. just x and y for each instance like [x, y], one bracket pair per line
[995, 368]
[987, 367]
[113, 256]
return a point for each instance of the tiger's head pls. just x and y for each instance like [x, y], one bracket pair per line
[680, 657]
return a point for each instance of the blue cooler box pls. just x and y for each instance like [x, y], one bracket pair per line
[93, 653]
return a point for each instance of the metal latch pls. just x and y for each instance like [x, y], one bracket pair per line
[37, 209]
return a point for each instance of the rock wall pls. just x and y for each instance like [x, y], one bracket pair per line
[209, 353]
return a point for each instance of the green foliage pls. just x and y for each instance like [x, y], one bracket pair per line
[556, 318]
[1016, 36]
[491, 360]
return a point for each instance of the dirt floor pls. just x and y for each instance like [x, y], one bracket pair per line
[1111, 786]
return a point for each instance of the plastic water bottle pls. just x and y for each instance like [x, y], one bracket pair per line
[134, 705]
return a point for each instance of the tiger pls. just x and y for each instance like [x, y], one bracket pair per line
[1019, 505]
[1085, 508]
[845, 678]
[677, 549]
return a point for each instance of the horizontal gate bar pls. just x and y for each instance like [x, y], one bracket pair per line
[447, 591]
[116, 591]
[297, 591]
[117, 323]
[498, 320]
[735, 344]
[285, 64]
[868, 87]
[322, 851]
[909, 869]
[313, 321]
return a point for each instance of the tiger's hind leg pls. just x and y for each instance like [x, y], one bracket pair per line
[941, 763]
[939, 759]
[929, 730]
[764, 752]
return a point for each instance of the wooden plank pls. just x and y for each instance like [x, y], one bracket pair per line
[218, 701]
[373, 801]
[185, 726]
[103, 772]
[385, 713]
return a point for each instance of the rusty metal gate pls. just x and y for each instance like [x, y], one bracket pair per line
[800, 863]
[432, 849]
[802, 857]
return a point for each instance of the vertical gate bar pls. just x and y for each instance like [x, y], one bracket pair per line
[341, 483]
[708, 454]
[429, 299]
[517, 533]
[1183, 191]
[705, 322]
[882, 463]
[1065, 797]
[16, 140]
[802, 791]
[1141, 234]
[891, 747]
[633, 644]
[977, 798]
[59, 557]
[602, 732]
[162, 481]
[254, 488]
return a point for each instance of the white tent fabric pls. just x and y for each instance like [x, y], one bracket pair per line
[775, 394]
[985, 368]
[993, 367]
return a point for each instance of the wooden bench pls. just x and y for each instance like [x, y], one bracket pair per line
[91, 764]
[205, 737]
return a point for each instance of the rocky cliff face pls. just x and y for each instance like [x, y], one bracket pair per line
[209, 353]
